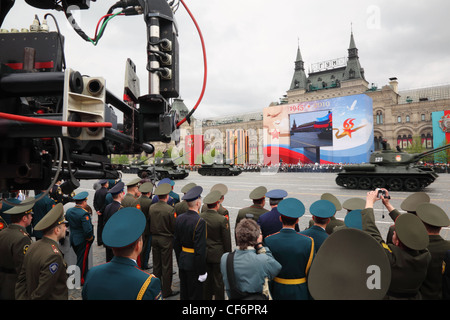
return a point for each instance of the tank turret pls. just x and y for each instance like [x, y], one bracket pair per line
[391, 169]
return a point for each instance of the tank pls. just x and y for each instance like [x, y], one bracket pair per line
[219, 170]
[216, 169]
[164, 167]
[390, 169]
[133, 167]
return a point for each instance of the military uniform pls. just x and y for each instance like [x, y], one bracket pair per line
[190, 249]
[162, 229]
[14, 243]
[255, 210]
[446, 276]
[143, 203]
[3, 224]
[322, 209]
[409, 205]
[99, 206]
[350, 205]
[223, 189]
[129, 198]
[81, 233]
[182, 207]
[110, 210]
[295, 252]
[269, 222]
[40, 209]
[174, 198]
[43, 275]
[433, 215]
[409, 266]
[121, 279]
[218, 242]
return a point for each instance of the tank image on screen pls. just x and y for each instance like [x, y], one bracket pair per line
[311, 129]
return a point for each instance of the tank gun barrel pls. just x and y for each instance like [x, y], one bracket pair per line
[427, 153]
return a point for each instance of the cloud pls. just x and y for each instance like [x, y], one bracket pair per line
[251, 45]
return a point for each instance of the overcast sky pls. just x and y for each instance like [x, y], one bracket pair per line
[251, 45]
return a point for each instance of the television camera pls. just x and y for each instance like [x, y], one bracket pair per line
[57, 124]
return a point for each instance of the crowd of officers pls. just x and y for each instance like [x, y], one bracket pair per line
[273, 258]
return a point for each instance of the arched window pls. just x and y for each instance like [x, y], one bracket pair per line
[379, 117]
[399, 119]
[407, 118]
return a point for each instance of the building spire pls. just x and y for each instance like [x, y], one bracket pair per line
[299, 78]
[353, 69]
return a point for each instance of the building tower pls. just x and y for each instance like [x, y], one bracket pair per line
[353, 69]
[299, 79]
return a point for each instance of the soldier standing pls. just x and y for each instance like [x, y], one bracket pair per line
[190, 247]
[294, 251]
[40, 209]
[270, 221]
[143, 203]
[257, 208]
[174, 198]
[223, 189]
[434, 218]
[81, 231]
[132, 193]
[182, 207]
[117, 196]
[121, 279]
[162, 229]
[321, 211]
[408, 254]
[43, 275]
[14, 243]
[218, 242]
[99, 207]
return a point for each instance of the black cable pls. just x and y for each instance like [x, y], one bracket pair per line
[60, 40]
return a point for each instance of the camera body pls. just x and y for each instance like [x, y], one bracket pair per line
[381, 192]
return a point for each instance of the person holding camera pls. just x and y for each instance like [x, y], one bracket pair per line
[251, 263]
[407, 254]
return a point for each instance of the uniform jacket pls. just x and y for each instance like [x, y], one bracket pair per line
[431, 288]
[408, 267]
[181, 207]
[143, 203]
[270, 222]
[219, 238]
[318, 234]
[252, 212]
[295, 252]
[100, 199]
[14, 243]
[80, 225]
[223, 211]
[40, 209]
[190, 232]
[120, 279]
[162, 216]
[110, 209]
[128, 200]
[43, 275]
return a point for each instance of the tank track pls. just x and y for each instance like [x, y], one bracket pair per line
[391, 182]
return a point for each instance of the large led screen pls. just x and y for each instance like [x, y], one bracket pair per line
[337, 130]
